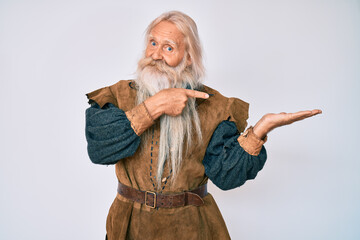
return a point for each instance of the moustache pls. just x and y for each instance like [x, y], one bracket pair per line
[159, 65]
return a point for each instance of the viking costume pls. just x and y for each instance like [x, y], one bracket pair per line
[179, 210]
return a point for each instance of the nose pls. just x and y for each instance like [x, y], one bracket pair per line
[157, 55]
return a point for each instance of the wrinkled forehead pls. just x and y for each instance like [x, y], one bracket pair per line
[169, 41]
[167, 32]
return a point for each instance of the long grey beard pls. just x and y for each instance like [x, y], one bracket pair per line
[174, 131]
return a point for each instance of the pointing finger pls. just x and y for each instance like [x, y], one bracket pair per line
[196, 94]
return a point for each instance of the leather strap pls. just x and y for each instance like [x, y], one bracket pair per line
[159, 200]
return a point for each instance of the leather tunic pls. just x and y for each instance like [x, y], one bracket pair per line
[131, 220]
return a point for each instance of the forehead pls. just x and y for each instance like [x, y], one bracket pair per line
[167, 31]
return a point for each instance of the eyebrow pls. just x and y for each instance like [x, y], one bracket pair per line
[166, 41]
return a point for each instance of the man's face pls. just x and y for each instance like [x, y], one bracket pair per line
[166, 43]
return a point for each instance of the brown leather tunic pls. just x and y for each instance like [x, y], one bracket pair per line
[131, 220]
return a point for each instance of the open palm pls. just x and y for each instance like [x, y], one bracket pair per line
[271, 121]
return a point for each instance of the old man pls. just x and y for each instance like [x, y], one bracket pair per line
[167, 134]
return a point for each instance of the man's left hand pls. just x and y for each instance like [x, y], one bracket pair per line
[271, 121]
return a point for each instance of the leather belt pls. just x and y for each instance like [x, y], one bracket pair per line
[159, 200]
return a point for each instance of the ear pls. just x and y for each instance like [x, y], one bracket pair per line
[188, 60]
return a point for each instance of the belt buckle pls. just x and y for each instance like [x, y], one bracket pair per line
[146, 193]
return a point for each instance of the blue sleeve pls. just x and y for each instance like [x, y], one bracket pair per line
[226, 163]
[109, 134]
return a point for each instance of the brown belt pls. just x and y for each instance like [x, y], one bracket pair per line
[156, 200]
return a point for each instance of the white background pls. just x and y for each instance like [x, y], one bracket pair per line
[280, 55]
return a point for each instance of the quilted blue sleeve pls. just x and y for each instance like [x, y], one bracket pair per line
[109, 134]
[226, 163]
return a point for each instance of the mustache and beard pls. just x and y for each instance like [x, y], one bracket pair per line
[175, 132]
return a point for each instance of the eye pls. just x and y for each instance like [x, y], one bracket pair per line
[153, 43]
[169, 49]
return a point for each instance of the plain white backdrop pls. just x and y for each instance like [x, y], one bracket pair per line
[281, 55]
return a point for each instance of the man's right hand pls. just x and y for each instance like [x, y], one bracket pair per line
[171, 101]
